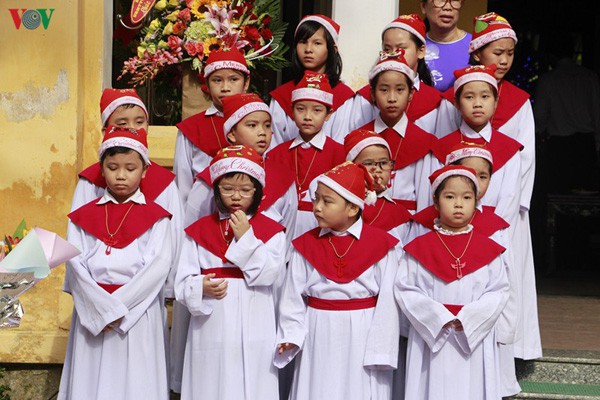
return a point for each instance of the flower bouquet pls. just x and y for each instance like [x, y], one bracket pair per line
[188, 30]
[28, 257]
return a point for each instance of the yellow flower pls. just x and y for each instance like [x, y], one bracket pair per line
[174, 3]
[140, 51]
[168, 29]
[160, 5]
[163, 45]
[211, 44]
[173, 16]
[154, 25]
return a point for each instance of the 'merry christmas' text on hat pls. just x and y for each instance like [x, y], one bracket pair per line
[473, 73]
[452, 170]
[412, 23]
[240, 158]
[392, 61]
[359, 139]
[135, 139]
[464, 151]
[226, 59]
[237, 106]
[330, 25]
[313, 86]
[351, 181]
[488, 28]
[113, 98]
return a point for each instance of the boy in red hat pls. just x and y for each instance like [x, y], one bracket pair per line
[452, 286]
[336, 301]
[200, 136]
[392, 88]
[311, 153]
[229, 263]
[116, 345]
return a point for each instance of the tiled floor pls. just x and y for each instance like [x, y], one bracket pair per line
[569, 323]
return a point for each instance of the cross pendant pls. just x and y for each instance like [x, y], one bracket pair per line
[109, 244]
[458, 266]
[339, 264]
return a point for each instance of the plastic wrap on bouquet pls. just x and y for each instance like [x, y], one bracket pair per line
[28, 263]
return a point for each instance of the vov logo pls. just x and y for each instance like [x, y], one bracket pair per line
[31, 19]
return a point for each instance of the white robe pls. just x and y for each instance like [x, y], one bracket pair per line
[336, 127]
[340, 355]
[230, 341]
[189, 161]
[129, 362]
[443, 362]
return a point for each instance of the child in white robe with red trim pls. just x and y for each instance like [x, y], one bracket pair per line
[452, 286]
[229, 263]
[494, 43]
[200, 136]
[336, 301]
[123, 107]
[371, 150]
[116, 348]
[311, 153]
[280, 202]
[392, 82]
[428, 109]
[315, 35]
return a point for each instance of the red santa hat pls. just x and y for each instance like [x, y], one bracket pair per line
[412, 23]
[452, 170]
[359, 139]
[313, 86]
[464, 151]
[237, 106]
[240, 158]
[226, 59]
[392, 61]
[113, 98]
[351, 181]
[134, 139]
[330, 25]
[472, 73]
[488, 28]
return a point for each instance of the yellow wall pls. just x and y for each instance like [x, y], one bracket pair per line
[49, 94]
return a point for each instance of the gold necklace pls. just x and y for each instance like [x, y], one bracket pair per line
[215, 131]
[110, 242]
[376, 216]
[457, 265]
[226, 233]
[300, 184]
[340, 263]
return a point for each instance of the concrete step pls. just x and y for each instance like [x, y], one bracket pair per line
[560, 374]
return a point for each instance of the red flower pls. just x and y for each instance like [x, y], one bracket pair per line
[185, 15]
[174, 42]
[267, 20]
[240, 10]
[190, 47]
[179, 28]
[266, 33]
[251, 33]
[256, 45]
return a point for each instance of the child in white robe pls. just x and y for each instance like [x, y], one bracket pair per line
[336, 300]
[452, 286]
[116, 348]
[229, 263]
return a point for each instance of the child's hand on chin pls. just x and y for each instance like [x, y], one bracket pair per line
[239, 223]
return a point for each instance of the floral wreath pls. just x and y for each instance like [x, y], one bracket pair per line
[181, 31]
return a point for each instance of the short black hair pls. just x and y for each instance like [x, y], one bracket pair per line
[333, 66]
[442, 185]
[460, 90]
[373, 82]
[489, 164]
[258, 193]
[111, 151]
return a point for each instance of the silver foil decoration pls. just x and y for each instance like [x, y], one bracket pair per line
[12, 285]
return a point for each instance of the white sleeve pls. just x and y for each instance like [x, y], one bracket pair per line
[284, 128]
[384, 332]
[261, 263]
[422, 185]
[508, 202]
[527, 138]
[340, 123]
[292, 309]
[188, 280]
[200, 202]
[85, 191]
[362, 112]
[183, 165]
[448, 119]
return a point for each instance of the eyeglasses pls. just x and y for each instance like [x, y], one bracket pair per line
[455, 4]
[230, 190]
[384, 165]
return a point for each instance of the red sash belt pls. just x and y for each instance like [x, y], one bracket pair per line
[305, 206]
[410, 205]
[231, 272]
[453, 308]
[342, 305]
[109, 287]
